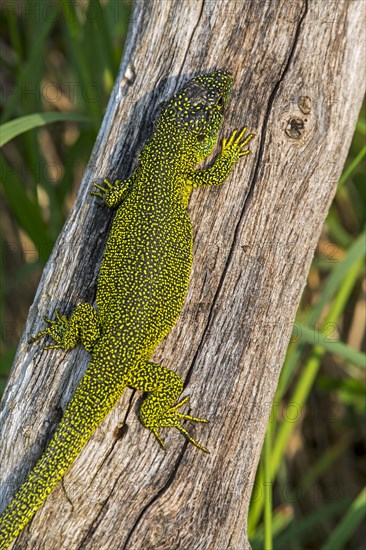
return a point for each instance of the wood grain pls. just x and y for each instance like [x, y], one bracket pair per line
[254, 241]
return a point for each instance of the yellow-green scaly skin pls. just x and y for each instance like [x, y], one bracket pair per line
[141, 288]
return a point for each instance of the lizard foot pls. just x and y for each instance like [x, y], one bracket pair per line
[57, 329]
[172, 419]
[103, 190]
[233, 147]
[112, 194]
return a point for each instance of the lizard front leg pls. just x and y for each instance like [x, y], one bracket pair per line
[232, 150]
[113, 194]
[159, 409]
[82, 327]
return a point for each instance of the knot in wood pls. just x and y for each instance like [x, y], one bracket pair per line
[295, 128]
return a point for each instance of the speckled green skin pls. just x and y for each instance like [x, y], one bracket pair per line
[141, 288]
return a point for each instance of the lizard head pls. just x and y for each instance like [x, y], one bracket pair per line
[195, 113]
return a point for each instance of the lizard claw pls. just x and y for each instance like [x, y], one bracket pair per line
[190, 439]
[234, 145]
[161, 441]
[104, 190]
[172, 418]
[56, 329]
[112, 194]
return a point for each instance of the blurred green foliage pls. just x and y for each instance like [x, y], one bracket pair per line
[62, 58]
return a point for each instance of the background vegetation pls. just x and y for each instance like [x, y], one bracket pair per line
[61, 59]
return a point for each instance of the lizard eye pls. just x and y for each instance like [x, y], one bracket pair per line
[220, 102]
[201, 138]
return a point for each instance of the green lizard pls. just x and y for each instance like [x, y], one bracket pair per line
[141, 287]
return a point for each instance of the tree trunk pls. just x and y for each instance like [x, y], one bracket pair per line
[299, 77]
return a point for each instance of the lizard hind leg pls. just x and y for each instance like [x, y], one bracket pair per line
[81, 327]
[158, 409]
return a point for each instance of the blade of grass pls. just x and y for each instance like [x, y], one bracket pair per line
[335, 279]
[267, 491]
[255, 508]
[116, 19]
[14, 34]
[104, 42]
[13, 128]
[352, 166]
[318, 337]
[348, 525]
[337, 232]
[282, 518]
[361, 126]
[27, 70]
[24, 209]
[79, 54]
[322, 464]
[350, 391]
[307, 527]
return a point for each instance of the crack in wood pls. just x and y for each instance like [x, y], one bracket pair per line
[128, 409]
[66, 494]
[160, 493]
[249, 193]
[93, 527]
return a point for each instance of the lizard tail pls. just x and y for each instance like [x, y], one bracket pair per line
[82, 416]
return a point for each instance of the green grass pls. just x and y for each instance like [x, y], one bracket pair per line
[59, 67]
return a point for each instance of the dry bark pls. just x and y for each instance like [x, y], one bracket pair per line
[299, 82]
